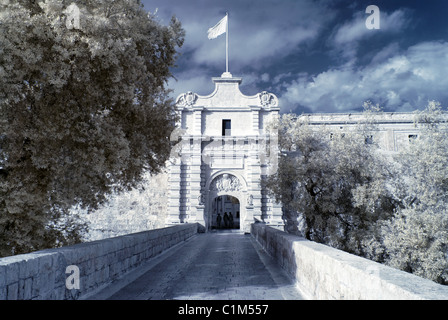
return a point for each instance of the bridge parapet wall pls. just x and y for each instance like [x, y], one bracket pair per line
[322, 272]
[41, 275]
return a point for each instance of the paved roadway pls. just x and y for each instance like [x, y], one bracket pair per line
[209, 266]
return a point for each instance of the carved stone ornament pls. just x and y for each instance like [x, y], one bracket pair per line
[201, 199]
[250, 200]
[268, 99]
[187, 99]
[226, 182]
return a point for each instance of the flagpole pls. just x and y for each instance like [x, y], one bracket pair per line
[227, 43]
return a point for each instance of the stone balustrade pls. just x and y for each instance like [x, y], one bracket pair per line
[44, 274]
[322, 272]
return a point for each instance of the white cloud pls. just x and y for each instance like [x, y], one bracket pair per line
[258, 36]
[355, 29]
[346, 38]
[386, 53]
[403, 81]
[266, 36]
[195, 80]
[265, 77]
[249, 48]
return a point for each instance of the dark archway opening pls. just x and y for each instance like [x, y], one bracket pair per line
[225, 212]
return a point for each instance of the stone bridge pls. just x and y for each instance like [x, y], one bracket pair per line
[180, 263]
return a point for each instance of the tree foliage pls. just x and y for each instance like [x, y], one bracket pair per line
[332, 180]
[415, 239]
[84, 111]
[338, 188]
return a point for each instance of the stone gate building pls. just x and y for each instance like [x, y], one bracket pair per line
[224, 149]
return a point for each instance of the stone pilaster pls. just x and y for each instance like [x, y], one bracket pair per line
[173, 215]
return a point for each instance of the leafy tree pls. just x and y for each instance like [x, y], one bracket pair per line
[334, 182]
[416, 238]
[84, 111]
[338, 188]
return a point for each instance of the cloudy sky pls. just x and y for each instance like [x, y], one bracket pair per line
[317, 55]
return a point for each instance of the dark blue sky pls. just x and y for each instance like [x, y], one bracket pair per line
[317, 55]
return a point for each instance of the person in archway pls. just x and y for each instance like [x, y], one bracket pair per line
[226, 220]
[218, 220]
[230, 220]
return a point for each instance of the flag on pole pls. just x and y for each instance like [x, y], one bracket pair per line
[218, 29]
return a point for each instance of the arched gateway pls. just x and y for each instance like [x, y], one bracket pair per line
[224, 213]
[226, 194]
[224, 150]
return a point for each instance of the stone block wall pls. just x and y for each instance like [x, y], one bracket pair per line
[41, 275]
[322, 272]
[131, 211]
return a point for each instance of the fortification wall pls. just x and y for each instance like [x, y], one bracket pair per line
[41, 275]
[140, 209]
[322, 272]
